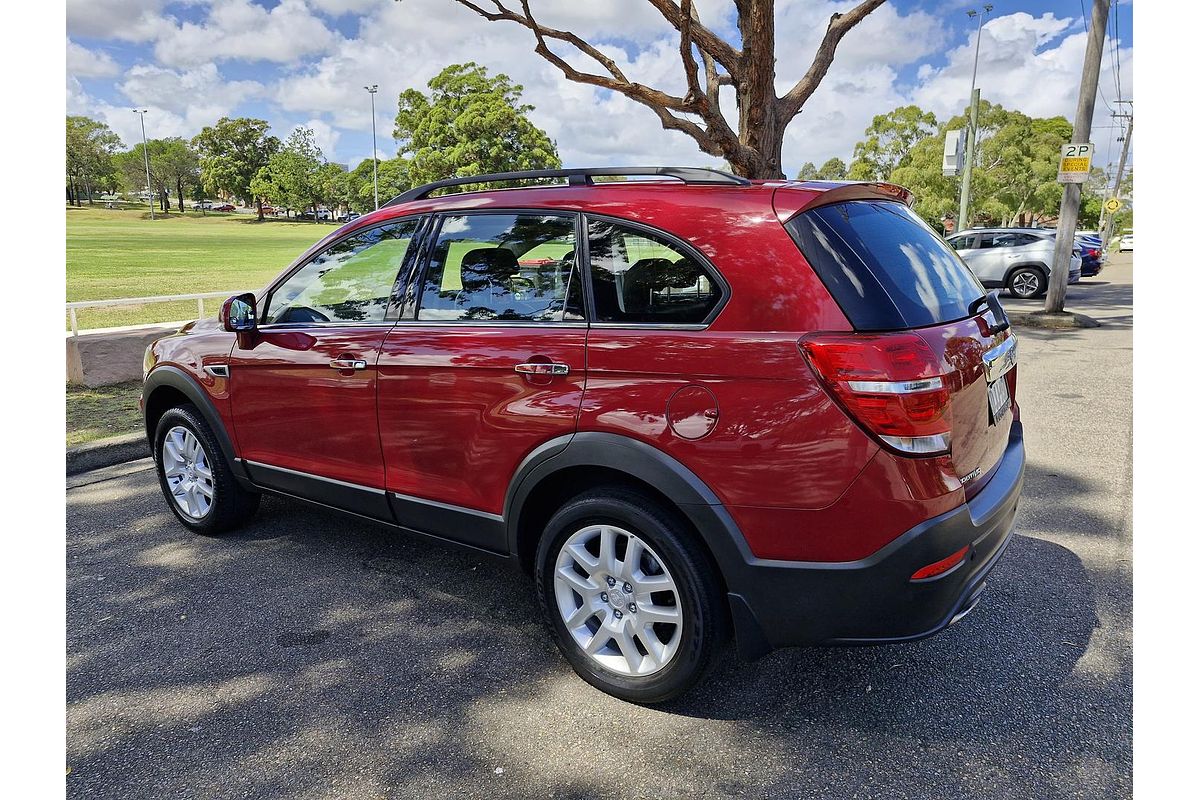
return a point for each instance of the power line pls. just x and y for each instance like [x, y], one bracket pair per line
[1115, 50]
[1084, 14]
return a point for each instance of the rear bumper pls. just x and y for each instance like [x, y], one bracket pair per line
[872, 600]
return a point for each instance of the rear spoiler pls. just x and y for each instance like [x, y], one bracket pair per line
[791, 199]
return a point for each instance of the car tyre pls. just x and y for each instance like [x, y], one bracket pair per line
[1027, 282]
[645, 660]
[195, 478]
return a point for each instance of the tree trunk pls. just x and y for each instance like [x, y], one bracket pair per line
[88, 187]
[179, 193]
[258, 200]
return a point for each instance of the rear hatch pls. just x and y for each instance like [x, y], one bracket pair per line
[928, 370]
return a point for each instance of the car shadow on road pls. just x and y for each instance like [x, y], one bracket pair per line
[311, 655]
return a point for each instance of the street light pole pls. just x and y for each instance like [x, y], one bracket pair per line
[372, 89]
[964, 196]
[146, 155]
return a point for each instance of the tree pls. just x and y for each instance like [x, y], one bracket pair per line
[132, 166]
[91, 146]
[890, 137]
[333, 185]
[393, 179]
[292, 175]
[808, 172]
[231, 154]
[176, 164]
[469, 124]
[1013, 179]
[755, 150]
[832, 170]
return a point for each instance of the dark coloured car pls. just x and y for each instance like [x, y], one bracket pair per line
[1092, 252]
[689, 405]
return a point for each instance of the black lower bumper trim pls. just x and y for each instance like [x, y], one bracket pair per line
[873, 601]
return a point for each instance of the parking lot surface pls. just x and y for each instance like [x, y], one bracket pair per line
[313, 656]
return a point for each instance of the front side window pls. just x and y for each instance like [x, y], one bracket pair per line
[961, 242]
[638, 277]
[351, 281]
[513, 267]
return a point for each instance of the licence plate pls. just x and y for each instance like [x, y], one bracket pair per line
[998, 399]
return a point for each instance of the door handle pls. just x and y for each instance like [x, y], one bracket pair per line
[348, 363]
[542, 368]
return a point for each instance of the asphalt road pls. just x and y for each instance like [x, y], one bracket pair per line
[310, 656]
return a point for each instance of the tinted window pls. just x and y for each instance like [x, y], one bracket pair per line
[961, 242]
[885, 267]
[503, 267]
[1005, 239]
[639, 277]
[351, 281]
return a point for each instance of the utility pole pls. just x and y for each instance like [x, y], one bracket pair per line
[1106, 231]
[964, 195]
[146, 155]
[372, 89]
[1068, 214]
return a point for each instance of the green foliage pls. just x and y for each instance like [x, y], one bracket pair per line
[468, 124]
[231, 154]
[890, 138]
[808, 172]
[832, 170]
[91, 147]
[393, 179]
[1013, 179]
[292, 176]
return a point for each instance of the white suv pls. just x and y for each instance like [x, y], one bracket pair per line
[1016, 259]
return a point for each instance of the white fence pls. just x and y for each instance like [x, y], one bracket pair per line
[141, 301]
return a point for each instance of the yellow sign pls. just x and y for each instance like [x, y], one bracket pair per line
[1075, 163]
[1112, 205]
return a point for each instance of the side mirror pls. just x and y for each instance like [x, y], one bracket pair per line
[239, 313]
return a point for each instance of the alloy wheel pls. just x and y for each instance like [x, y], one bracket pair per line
[1025, 284]
[188, 472]
[617, 600]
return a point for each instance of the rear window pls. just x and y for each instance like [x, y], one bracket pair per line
[884, 266]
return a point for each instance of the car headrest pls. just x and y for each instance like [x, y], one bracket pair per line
[661, 273]
[489, 262]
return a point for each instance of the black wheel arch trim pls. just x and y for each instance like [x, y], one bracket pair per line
[647, 463]
[175, 378]
[1039, 266]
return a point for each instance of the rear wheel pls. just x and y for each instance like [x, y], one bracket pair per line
[1027, 282]
[634, 607]
[195, 478]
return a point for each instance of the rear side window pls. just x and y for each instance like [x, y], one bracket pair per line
[638, 277]
[516, 267]
[884, 266]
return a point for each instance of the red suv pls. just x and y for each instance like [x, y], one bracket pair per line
[689, 405]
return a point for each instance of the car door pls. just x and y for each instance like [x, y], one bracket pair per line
[965, 244]
[485, 365]
[303, 385]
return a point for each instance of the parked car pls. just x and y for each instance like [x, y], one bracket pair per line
[268, 210]
[224, 207]
[1126, 244]
[348, 216]
[320, 214]
[782, 410]
[203, 205]
[1092, 254]
[1016, 259]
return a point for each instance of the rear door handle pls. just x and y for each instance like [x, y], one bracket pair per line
[348, 363]
[542, 368]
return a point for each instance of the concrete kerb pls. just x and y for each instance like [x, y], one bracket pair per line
[107, 452]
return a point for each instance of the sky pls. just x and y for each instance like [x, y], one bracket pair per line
[305, 63]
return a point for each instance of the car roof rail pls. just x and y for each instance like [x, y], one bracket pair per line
[702, 176]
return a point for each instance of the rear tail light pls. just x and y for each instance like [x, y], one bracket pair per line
[891, 384]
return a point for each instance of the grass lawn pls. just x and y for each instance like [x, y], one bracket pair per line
[105, 411]
[122, 253]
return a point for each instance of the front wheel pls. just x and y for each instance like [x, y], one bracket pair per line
[1027, 282]
[195, 478]
[634, 605]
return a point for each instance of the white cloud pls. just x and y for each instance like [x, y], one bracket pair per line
[85, 63]
[128, 20]
[325, 135]
[240, 29]
[200, 92]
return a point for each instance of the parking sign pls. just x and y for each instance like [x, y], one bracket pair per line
[1075, 163]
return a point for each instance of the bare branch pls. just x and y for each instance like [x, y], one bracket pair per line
[839, 26]
[617, 82]
[728, 56]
